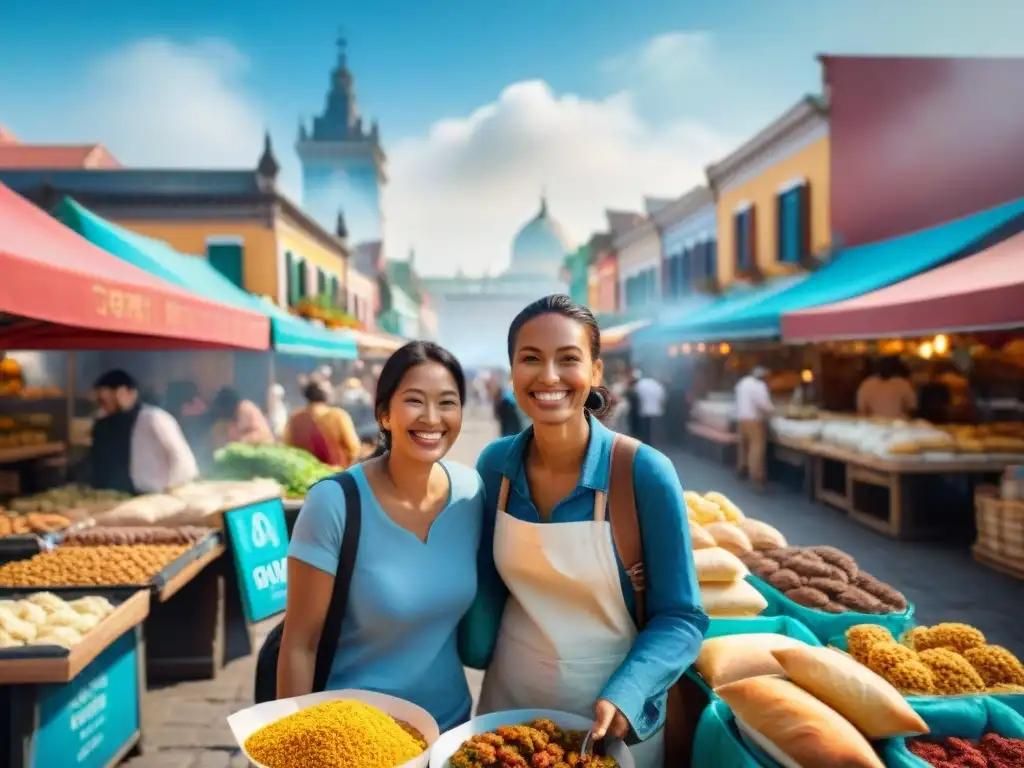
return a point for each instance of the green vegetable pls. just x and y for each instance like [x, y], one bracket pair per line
[293, 468]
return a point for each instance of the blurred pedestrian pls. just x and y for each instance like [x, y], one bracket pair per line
[236, 420]
[650, 395]
[753, 408]
[323, 430]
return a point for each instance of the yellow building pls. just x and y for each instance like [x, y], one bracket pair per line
[772, 197]
[254, 235]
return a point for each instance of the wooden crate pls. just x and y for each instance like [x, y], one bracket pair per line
[1000, 523]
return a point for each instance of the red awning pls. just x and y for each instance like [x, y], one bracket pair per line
[65, 293]
[981, 292]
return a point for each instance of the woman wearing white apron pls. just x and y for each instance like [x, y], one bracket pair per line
[554, 623]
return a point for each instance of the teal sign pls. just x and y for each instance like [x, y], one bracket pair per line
[259, 541]
[86, 722]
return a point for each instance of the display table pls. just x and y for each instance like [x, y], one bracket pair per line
[840, 474]
[80, 707]
[717, 442]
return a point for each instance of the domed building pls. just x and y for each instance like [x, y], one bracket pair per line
[474, 312]
[540, 246]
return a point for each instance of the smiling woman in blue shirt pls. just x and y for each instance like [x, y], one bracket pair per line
[415, 568]
[555, 619]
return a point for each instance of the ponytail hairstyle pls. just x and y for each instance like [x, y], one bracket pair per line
[599, 401]
[401, 361]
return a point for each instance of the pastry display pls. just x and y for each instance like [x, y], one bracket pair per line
[68, 500]
[46, 619]
[119, 565]
[100, 536]
[948, 659]
[825, 579]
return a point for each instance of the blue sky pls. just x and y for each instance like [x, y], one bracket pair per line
[608, 100]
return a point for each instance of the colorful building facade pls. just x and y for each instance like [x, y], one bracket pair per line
[639, 267]
[252, 233]
[944, 134]
[343, 165]
[689, 245]
[773, 197]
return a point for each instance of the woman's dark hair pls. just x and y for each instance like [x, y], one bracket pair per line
[116, 379]
[599, 401]
[401, 361]
[891, 368]
[315, 392]
[225, 403]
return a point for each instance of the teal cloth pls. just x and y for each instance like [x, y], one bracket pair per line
[969, 717]
[718, 742]
[827, 627]
[289, 334]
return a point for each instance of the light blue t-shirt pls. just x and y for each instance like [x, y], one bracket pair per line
[398, 635]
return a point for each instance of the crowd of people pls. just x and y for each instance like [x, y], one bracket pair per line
[144, 444]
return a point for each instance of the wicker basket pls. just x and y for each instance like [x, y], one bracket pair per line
[1000, 525]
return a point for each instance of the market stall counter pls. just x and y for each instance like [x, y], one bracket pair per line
[72, 676]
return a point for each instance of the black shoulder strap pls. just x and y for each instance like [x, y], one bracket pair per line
[342, 581]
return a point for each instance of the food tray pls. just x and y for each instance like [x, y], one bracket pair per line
[55, 664]
[450, 741]
[247, 721]
[160, 581]
[826, 626]
[24, 546]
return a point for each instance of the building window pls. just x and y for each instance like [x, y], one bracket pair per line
[743, 223]
[228, 258]
[296, 274]
[321, 283]
[711, 260]
[793, 205]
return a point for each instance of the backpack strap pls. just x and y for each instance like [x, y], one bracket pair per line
[623, 515]
[331, 631]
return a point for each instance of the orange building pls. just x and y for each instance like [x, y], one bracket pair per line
[773, 197]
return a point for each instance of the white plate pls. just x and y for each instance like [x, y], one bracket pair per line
[450, 742]
[246, 722]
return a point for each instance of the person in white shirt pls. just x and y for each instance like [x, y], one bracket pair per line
[136, 447]
[650, 397]
[753, 406]
[887, 394]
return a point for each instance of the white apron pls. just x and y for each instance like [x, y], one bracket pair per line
[566, 627]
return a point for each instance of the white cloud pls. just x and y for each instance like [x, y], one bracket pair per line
[461, 192]
[665, 61]
[161, 103]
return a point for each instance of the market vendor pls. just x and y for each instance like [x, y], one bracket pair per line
[236, 420]
[555, 623]
[888, 393]
[323, 430]
[136, 448]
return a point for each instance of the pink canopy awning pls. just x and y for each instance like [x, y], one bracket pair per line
[981, 292]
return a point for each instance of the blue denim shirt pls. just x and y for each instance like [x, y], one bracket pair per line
[675, 622]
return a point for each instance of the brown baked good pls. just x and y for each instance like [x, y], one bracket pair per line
[785, 579]
[766, 568]
[888, 595]
[833, 607]
[838, 558]
[860, 601]
[809, 565]
[831, 587]
[809, 597]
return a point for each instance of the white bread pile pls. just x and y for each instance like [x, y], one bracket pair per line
[720, 534]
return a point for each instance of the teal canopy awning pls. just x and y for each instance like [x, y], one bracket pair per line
[686, 326]
[289, 335]
[865, 268]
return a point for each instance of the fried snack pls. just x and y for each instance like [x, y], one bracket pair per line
[809, 565]
[952, 673]
[860, 639]
[838, 558]
[860, 601]
[882, 591]
[732, 513]
[902, 668]
[100, 536]
[954, 635]
[995, 665]
[91, 566]
[831, 587]
[833, 607]
[33, 522]
[539, 744]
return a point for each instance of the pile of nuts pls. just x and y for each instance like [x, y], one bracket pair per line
[91, 566]
[104, 536]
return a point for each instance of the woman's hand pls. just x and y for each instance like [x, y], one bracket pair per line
[608, 721]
